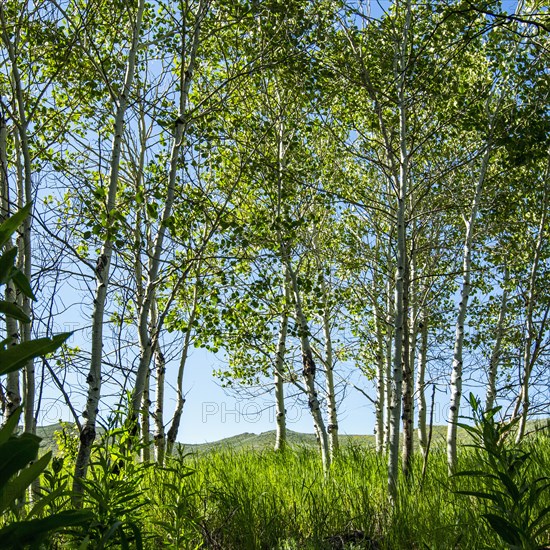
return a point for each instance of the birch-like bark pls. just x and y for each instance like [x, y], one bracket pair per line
[309, 367]
[180, 398]
[147, 338]
[380, 374]
[528, 356]
[160, 368]
[280, 411]
[409, 346]
[12, 397]
[456, 373]
[388, 364]
[421, 383]
[160, 438]
[332, 411]
[494, 360]
[146, 420]
[25, 196]
[402, 187]
[88, 433]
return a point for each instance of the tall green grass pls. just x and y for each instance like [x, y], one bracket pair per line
[249, 499]
[255, 500]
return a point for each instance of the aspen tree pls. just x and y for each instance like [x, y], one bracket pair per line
[88, 432]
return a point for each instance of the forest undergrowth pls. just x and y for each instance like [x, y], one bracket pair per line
[250, 499]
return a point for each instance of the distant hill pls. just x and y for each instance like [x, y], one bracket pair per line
[266, 440]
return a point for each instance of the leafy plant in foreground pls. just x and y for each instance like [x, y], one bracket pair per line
[178, 525]
[113, 492]
[19, 466]
[18, 469]
[513, 500]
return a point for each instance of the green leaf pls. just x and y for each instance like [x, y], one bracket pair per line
[17, 485]
[22, 283]
[46, 500]
[543, 529]
[16, 357]
[12, 310]
[507, 531]
[7, 261]
[15, 454]
[12, 223]
[511, 487]
[474, 473]
[24, 533]
[9, 427]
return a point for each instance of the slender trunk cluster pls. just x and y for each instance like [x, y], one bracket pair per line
[402, 189]
[12, 398]
[456, 372]
[148, 338]
[24, 196]
[88, 433]
[491, 393]
[180, 398]
[421, 383]
[531, 336]
[308, 367]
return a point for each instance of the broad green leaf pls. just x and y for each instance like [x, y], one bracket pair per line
[507, 531]
[12, 223]
[16, 357]
[46, 500]
[22, 283]
[7, 260]
[510, 486]
[24, 533]
[474, 473]
[478, 494]
[15, 454]
[13, 310]
[17, 485]
[9, 427]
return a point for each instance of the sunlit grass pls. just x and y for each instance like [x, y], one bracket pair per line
[262, 499]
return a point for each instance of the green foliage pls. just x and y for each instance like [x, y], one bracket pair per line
[114, 490]
[177, 526]
[19, 468]
[19, 465]
[15, 357]
[262, 499]
[514, 499]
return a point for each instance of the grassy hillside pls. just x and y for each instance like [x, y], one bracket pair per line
[266, 440]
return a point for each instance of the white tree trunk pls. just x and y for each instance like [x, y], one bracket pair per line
[491, 393]
[380, 375]
[25, 196]
[332, 411]
[146, 420]
[309, 368]
[421, 384]
[530, 330]
[402, 187]
[12, 398]
[409, 348]
[180, 398]
[456, 373]
[160, 367]
[88, 432]
[147, 338]
[388, 364]
[280, 411]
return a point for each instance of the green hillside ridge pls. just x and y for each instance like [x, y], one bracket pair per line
[266, 440]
